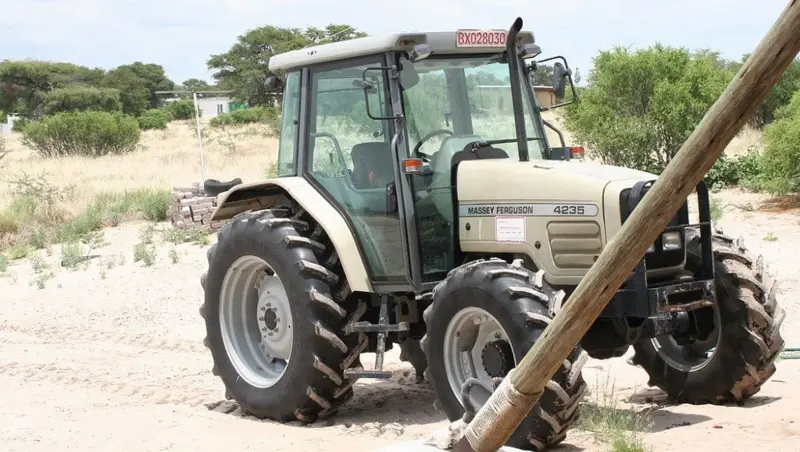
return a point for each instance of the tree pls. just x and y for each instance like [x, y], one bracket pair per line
[195, 84]
[244, 68]
[780, 95]
[639, 108]
[24, 84]
[543, 75]
[780, 163]
[137, 84]
[82, 98]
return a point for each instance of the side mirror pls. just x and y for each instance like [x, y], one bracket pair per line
[560, 74]
[273, 84]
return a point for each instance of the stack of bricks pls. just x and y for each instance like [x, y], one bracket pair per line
[191, 207]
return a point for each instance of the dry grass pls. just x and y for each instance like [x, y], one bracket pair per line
[165, 158]
[65, 199]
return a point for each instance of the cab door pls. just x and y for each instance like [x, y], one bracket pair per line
[352, 160]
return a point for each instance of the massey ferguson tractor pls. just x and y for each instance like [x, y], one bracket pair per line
[419, 203]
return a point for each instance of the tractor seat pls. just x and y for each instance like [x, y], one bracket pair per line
[372, 165]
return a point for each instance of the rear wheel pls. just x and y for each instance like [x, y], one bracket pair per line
[484, 317]
[274, 326]
[740, 335]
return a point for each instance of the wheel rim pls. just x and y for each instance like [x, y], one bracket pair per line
[255, 320]
[469, 332]
[691, 357]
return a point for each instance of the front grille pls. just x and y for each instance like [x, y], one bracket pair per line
[659, 258]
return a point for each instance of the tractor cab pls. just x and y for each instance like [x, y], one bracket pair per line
[380, 124]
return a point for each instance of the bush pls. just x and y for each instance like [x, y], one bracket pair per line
[744, 170]
[156, 118]
[181, 110]
[250, 115]
[781, 159]
[82, 98]
[640, 107]
[19, 125]
[89, 133]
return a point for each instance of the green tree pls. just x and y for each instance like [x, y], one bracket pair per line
[24, 84]
[195, 84]
[244, 68]
[82, 98]
[639, 108]
[137, 84]
[780, 164]
[780, 95]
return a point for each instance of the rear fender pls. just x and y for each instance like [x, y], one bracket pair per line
[264, 194]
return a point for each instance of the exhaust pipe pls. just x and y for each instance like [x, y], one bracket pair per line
[516, 89]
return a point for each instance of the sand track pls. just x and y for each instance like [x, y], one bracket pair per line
[113, 358]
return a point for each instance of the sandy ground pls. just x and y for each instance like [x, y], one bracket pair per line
[105, 358]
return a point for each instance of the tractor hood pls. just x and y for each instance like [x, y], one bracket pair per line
[509, 180]
[605, 172]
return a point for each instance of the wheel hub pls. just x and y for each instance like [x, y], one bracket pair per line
[256, 321]
[475, 346]
[497, 358]
[270, 319]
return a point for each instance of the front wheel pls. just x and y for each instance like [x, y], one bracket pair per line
[484, 318]
[740, 337]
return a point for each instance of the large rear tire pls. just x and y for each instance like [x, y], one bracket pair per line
[496, 311]
[743, 343]
[271, 287]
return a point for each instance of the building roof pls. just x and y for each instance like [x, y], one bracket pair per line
[441, 42]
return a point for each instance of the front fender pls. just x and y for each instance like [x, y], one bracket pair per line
[264, 194]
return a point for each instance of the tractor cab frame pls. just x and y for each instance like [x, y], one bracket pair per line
[379, 163]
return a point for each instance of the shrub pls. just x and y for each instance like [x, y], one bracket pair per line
[640, 107]
[247, 116]
[19, 124]
[744, 170]
[82, 98]
[89, 133]
[781, 158]
[156, 118]
[182, 109]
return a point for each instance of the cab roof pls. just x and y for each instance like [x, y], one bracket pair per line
[441, 42]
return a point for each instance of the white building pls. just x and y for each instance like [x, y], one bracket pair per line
[213, 105]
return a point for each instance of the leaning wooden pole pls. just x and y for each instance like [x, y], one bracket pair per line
[518, 393]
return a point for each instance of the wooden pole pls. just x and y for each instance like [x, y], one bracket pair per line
[513, 400]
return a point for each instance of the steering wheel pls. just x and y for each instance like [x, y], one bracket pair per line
[430, 135]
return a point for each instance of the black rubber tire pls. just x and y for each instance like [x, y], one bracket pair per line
[411, 352]
[313, 385]
[213, 187]
[750, 321]
[515, 297]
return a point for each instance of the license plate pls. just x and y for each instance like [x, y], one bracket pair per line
[481, 38]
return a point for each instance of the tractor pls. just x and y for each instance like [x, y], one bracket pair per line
[417, 201]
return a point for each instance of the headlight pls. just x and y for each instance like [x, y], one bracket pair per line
[671, 241]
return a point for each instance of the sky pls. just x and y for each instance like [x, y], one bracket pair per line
[181, 34]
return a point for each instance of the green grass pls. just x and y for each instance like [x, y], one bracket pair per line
[716, 209]
[30, 223]
[621, 429]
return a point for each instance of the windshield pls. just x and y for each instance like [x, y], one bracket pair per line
[467, 95]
